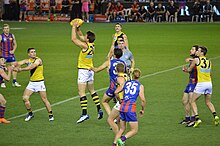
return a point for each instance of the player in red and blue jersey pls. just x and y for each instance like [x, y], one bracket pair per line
[23, 10]
[9, 45]
[7, 77]
[188, 92]
[111, 65]
[132, 89]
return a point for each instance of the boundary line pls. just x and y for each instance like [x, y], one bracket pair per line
[75, 97]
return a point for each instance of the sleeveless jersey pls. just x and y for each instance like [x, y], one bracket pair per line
[36, 74]
[116, 38]
[131, 92]
[7, 45]
[204, 69]
[193, 75]
[85, 60]
[125, 76]
[112, 69]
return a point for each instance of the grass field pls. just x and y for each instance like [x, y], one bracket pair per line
[159, 51]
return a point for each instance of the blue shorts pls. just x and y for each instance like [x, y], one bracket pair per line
[10, 59]
[111, 90]
[190, 88]
[23, 9]
[128, 116]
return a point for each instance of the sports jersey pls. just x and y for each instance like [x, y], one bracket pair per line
[85, 60]
[127, 57]
[204, 70]
[125, 76]
[7, 45]
[131, 92]
[193, 75]
[116, 35]
[36, 74]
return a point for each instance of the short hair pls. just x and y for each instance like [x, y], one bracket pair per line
[120, 37]
[90, 36]
[196, 47]
[204, 49]
[120, 67]
[5, 25]
[29, 49]
[118, 24]
[136, 73]
[1, 57]
[118, 53]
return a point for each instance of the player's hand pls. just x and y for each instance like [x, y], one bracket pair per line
[141, 113]
[184, 69]
[10, 68]
[189, 59]
[12, 52]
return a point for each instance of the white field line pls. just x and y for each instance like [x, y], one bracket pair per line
[72, 98]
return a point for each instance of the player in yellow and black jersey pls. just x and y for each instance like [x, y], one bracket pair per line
[85, 75]
[36, 83]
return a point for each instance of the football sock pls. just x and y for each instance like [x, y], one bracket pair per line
[187, 118]
[14, 80]
[50, 114]
[95, 98]
[123, 138]
[197, 117]
[2, 111]
[2, 81]
[193, 118]
[83, 104]
[30, 111]
[214, 114]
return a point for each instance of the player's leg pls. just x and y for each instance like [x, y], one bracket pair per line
[14, 75]
[26, 95]
[114, 114]
[194, 108]
[186, 105]
[2, 110]
[211, 108]
[43, 95]
[133, 130]
[120, 132]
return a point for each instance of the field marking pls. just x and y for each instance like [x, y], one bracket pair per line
[72, 98]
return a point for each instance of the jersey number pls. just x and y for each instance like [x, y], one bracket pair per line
[131, 88]
[204, 63]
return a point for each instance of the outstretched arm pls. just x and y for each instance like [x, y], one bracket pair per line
[102, 67]
[192, 65]
[32, 66]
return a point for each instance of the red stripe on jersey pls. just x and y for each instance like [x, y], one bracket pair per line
[127, 106]
[133, 107]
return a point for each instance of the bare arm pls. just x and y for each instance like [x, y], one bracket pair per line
[76, 41]
[192, 65]
[111, 51]
[121, 82]
[14, 45]
[143, 101]
[102, 67]
[80, 34]
[32, 66]
[126, 41]
[4, 75]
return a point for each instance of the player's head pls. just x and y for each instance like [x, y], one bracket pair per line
[136, 74]
[121, 42]
[118, 27]
[118, 53]
[202, 51]
[193, 50]
[31, 52]
[2, 61]
[120, 68]
[6, 28]
[90, 36]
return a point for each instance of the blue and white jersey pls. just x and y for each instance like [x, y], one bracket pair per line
[112, 69]
[127, 57]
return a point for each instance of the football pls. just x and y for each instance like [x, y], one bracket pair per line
[77, 21]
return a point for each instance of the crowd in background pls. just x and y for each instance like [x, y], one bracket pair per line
[128, 10]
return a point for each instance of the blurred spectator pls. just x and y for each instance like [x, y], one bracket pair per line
[160, 12]
[134, 11]
[23, 11]
[6, 9]
[13, 15]
[151, 12]
[109, 11]
[142, 14]
[196, 11]
[172, 12]
[119, 11]
[85, 10]
[65, 8]
[52, 10]
[98, 6]
[76, 9]
[1, 9]
[38, 7]
[208, 11]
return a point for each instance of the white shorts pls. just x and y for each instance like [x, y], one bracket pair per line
[117, 106]
[85, 75]
[36, 86]
[203, 88]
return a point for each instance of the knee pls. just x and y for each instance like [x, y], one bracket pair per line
[3, 102]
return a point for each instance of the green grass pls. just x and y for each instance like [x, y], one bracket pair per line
[156, 47]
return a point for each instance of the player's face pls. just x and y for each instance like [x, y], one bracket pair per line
[193, 51]
[117, 28]
[32, 53]
[2, 62]
[199, 52]
[120, 44]
[6, 29]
